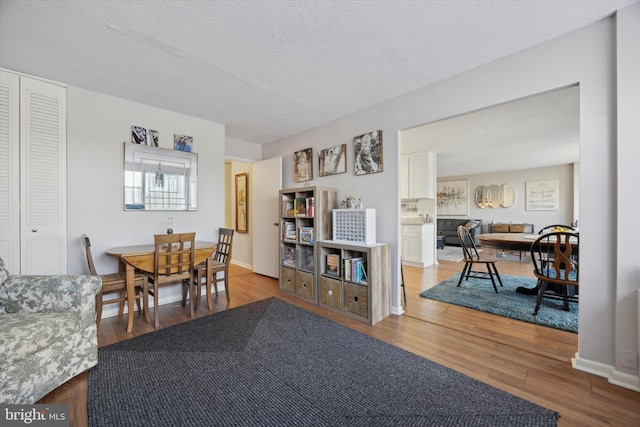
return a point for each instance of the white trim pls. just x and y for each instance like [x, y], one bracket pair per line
[606, 371]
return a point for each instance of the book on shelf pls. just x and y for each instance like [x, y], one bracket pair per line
[310, 206]
[354, 270]
[306, 235]
[287, 209]
[289, 256]
[333, 264]
[346, 268]
[300, 205]
[359, 274]
[289, 231]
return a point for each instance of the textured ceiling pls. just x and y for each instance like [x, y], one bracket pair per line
[269, 69]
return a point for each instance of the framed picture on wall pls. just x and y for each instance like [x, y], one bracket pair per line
[541, 195]
[368, 149]
[333, 160]
[452, 197]
[242, 194]
[303, 165]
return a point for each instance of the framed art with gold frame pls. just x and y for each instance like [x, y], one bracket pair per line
[242, 197]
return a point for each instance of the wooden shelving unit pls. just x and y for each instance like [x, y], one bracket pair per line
[359, 287]
[305, 218]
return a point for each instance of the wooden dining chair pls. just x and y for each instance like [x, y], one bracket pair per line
[221, 261]
[115, 283]
[556, 227]
[472, 257]
[172, 264]
[555, 259]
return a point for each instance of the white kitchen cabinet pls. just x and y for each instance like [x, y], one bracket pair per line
[418, 244]
[417, 176]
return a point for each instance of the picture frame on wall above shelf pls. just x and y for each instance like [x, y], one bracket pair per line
[183, 143]
[368, 149]
[303, 165]
[138, 135]
[333, 160]
[242, 197]
[541, 195]
[452, 197]
[154, 138]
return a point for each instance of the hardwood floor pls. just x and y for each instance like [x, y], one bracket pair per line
[530, 361]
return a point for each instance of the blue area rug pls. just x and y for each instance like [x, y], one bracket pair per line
[479, 295]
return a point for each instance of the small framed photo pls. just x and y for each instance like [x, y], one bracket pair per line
[183, 143]
[333, 160]
[138, 135]
[368, 149]
[303, 165]
[154, 137]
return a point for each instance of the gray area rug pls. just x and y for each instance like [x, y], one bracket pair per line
[273, 364]
[479, 295]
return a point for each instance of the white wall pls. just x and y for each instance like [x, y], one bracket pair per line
[97, 126]
[586, 57]
[518, 213]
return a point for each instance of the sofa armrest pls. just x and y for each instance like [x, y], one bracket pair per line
[33, 294]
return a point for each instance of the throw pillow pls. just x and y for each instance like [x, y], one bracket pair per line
[470, 224]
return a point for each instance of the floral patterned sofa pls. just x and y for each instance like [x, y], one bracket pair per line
[47, 333]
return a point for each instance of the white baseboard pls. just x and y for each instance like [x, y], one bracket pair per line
[242, 264]
[632, 382]
[168, 295]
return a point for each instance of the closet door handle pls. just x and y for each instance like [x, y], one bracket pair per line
[34, 230]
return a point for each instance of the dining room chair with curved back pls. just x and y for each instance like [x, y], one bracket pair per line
[221, 261]
[115, 283]
[556, 227]
[172, 264]
[472, 257]
[555, 262]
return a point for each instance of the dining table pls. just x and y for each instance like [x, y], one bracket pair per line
[515, 242]
[141, 258]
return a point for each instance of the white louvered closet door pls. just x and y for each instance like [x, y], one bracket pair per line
[43, 199]
[10, 170]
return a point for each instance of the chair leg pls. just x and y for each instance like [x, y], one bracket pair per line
[226, 285]
[495, 270]
[404, 292]
[467, 266]
[156, 315]
[123, 295]
[99, 309]
[542, 289]
[145, 300]
[493, 280]
[191, 288]
[214, 279]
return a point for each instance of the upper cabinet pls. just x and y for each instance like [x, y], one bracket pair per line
[417, 176]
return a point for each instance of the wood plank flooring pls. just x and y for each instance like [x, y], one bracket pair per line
[530, 361]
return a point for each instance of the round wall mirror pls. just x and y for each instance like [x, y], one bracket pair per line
[494, 196]
[482, 196]
[507, 195]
